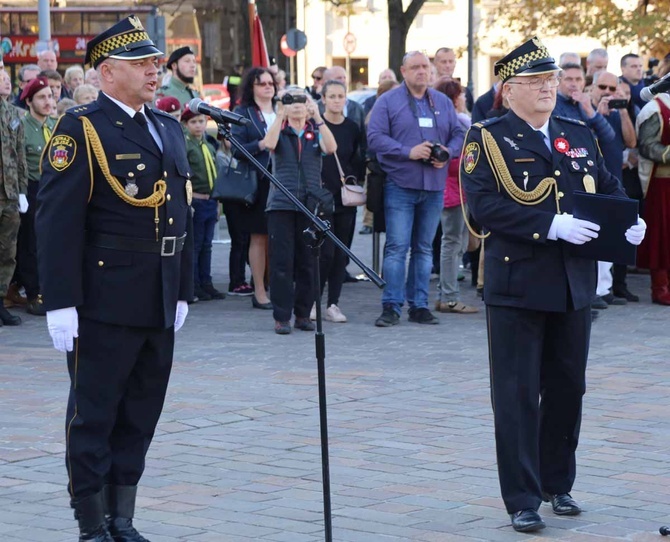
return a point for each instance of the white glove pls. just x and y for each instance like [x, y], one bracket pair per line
[635, 234]
[573, 230]
[182, 311]
[63, 325]
[23, 203]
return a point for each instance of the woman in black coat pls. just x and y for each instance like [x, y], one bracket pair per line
[256, 93]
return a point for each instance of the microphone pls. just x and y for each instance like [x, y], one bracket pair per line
[219, 115]
[662, 85]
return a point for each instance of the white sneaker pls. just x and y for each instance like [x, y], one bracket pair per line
[334, 314]
[312, 313]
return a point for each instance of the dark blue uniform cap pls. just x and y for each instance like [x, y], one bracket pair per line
[530, 58]
[126, 40]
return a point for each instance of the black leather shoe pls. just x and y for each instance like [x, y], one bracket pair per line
[213, 292]
[627, 295]
[122, 530]
[598, 303]
[611, 300]
[527, 521]
[563, 504]
[7, 318]
[258, 305]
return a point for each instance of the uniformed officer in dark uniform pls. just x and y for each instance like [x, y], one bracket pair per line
[115, 262]
[519, 172]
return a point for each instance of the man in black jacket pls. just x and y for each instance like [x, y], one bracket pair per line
[115, 261]
[520, 172]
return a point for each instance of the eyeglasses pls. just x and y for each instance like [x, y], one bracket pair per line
[538, 83]
[317, 77]
[605, 87]
[265, 84]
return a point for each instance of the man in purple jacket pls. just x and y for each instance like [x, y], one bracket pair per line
[413, 131]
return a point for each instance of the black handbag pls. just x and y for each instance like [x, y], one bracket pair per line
[237, 184]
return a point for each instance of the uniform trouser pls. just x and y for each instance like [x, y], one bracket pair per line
[118, 379]
[538, 366]
[291, 265]
[26, 247]
[9, 229]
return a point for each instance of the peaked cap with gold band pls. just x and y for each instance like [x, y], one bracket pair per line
[126, 40]
[530, 58]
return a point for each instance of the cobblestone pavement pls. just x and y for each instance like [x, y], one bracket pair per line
[236, 456]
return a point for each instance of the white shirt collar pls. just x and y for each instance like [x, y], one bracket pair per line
[129, 110]
[544, 129]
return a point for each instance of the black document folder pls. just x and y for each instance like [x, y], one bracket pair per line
[614, 215]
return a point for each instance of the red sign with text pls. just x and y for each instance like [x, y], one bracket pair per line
[23, 49]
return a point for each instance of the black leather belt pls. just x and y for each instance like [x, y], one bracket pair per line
[166, 246]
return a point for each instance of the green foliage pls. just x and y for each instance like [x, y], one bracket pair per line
[644, 21]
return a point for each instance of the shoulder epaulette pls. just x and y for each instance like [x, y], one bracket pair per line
[82, 110]
[567, 119]
[163, 114]
[485, 123]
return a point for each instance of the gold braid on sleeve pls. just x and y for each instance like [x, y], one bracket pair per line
[155, 200]
[503, 176]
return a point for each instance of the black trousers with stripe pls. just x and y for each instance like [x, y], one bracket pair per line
[538, 366]
[118, 379]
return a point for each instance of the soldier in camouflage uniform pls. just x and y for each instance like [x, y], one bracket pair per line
[38, 126]
[13, 187]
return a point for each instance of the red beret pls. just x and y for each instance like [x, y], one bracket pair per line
[168, 104]
[32, 88]
[187, 114]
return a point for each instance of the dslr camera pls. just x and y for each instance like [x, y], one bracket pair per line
[288, 99]
[437, 153]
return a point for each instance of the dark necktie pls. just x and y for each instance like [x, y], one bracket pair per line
[142, 121]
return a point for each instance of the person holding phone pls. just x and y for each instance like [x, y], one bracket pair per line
[297, 139]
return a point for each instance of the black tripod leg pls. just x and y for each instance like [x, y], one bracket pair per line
[320, 344]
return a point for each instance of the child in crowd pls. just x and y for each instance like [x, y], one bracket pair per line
[201, 155]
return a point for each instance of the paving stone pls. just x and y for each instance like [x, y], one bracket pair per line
[237, 456]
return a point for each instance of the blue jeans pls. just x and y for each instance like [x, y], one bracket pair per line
[204, 221]
[412, 217]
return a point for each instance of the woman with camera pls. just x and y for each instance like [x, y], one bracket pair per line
[349, 139]
[256, 103]
[297, 137]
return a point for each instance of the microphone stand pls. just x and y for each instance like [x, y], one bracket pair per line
[314, 236]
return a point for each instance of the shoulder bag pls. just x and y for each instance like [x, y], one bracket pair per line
[352, 194]
[236, 183]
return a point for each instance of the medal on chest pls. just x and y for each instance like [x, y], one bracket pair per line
[131, 188]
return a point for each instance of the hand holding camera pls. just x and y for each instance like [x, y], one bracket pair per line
[430, 152]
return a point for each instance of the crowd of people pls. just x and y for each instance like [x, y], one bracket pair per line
[423, 210]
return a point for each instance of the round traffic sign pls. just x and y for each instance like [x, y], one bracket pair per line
[349, 43]
[283, 45]
[296, 39]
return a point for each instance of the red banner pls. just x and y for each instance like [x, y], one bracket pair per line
[23, 49]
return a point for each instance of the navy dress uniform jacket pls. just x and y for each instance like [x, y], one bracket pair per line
[75, 200]
[523, 268]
